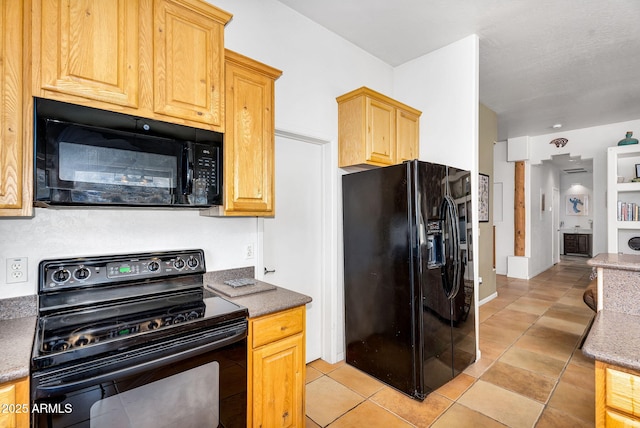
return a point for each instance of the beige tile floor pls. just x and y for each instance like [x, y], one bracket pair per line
[532, 372]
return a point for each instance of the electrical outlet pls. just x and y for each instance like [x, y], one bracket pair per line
[16, 270]
[248, 251]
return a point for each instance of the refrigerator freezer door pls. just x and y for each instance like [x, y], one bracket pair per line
[378, 280]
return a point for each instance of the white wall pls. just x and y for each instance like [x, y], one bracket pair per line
[543, 179]
[503, 177]
[444, 86]
[588, 143]
[576, 184]
[55, 233]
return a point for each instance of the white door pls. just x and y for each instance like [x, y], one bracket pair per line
[555, 226]
[292, 240]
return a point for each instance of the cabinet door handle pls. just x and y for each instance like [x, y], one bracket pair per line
[266, 271]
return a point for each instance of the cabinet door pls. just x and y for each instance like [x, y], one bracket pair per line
[249, 139]
[407, 136]
[278, 382]
[90, 49]
[189, 61]
[570, 243]
[582, 244]
[14, 402]
[15, 148]
[380, 132]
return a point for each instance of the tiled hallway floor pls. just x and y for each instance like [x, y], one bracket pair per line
[531, 372]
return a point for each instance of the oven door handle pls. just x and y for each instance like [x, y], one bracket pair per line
[63, 387]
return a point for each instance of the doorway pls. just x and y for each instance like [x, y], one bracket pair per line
[294, 253]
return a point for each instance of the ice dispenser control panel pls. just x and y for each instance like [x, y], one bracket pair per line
[435, 250]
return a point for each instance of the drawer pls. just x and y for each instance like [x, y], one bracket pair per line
[270, 328]
[622, 391]
[614, 420]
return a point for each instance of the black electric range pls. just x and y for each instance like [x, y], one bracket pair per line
[104, 319]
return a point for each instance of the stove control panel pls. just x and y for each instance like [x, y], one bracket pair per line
[90, 272]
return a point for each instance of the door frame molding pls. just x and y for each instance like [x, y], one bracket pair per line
[329, 305]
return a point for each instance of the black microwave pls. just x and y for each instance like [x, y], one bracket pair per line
[87, 156]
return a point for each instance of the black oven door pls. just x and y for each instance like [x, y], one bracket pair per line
[195, 381]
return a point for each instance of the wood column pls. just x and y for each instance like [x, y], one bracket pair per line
[519, 211]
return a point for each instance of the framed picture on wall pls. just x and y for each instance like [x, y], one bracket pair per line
[577, 205]
[483, 198]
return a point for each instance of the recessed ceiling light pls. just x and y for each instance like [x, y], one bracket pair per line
[557, 126]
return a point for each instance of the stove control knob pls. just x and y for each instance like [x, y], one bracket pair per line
[154, 266]
[82, 273]
[192, 316]
[61, 275]
[82, 341]
[178, 319]
[153, 325]
[192, 262]
[179, 263]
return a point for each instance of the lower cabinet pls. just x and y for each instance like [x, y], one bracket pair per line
[617, 396]
[276, 372]
[14, 404]
[577, 243]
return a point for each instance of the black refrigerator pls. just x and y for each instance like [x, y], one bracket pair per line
[408, 280]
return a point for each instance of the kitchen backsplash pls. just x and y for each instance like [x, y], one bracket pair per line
[56, 233]
[18, 307]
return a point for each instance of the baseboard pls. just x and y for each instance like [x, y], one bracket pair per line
[488, 298]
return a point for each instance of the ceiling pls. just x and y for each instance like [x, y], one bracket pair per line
[542, 62]
[568, 164]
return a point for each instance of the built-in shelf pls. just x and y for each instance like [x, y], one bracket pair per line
[621, 165]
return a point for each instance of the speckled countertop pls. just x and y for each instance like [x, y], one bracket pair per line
[261, 303]
[16, 339]
[18, 320]
[579, 231]
[616, 261]
[614, 338]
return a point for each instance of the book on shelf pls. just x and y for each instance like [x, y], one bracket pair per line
[628, 211]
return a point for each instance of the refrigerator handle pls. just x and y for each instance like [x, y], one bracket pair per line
[450, 212]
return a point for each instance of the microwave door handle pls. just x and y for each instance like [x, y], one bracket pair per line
[187, 170]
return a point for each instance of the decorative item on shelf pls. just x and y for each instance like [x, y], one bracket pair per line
[628, 140]
[559, 142]
[634, 243]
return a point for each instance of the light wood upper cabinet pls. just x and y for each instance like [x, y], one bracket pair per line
[189, 61]
[14, 402]
[161, 59]
[15, 120]
[407, 138]
[374, 129]
[276, 372]
[249, 138]
[91, 49]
